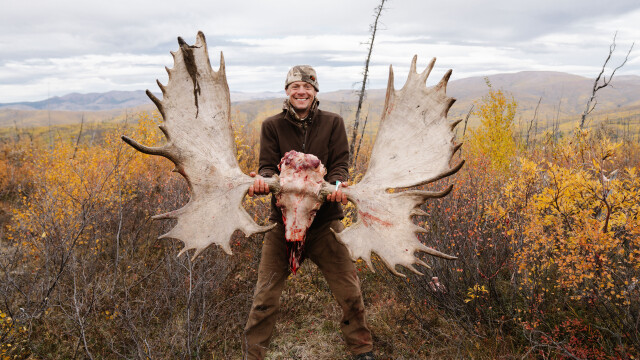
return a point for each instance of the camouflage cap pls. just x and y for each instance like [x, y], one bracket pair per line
[302, 73]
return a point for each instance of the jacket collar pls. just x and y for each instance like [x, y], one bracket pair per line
[293, 117]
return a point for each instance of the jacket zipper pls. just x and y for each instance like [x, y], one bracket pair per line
[305, 126]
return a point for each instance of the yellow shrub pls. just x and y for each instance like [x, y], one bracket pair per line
[493, 139]
[581, 221]
[69, 183]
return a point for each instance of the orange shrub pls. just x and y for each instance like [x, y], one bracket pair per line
[69, 182]
[581, 222]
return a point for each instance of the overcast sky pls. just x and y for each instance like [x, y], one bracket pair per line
[63, 46]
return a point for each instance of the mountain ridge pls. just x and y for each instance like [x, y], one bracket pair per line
[112, 100]
[547, 94]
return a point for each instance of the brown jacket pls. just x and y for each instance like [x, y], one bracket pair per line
[322, 135]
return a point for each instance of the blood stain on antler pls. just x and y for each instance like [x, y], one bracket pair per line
[367, 219]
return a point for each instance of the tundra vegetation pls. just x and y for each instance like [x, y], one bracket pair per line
[546, 231]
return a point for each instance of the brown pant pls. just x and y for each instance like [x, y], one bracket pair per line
[334, 261]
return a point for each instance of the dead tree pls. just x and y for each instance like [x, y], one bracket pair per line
[364, 126]
[533, 119]
[75, 149]
[466, 120]
[602, 81]
[356, 124]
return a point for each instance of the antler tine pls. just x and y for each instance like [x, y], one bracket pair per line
[414, 270]
[162, 151]
[167, 216]
[226, 249]
[222, 68]
[200, 39]
[427, 71]
[390, 92]
[162, 88]
[449, 172]
[420, 262]
[198, 251]
[416, 260]
[457, 147]
[419, 230]
[455, 123]
[201, 42]
[412, 68]
[449, 103]
[156, 101]
[418, 212]
[368, 261]
[444, 81]
[392, 269]
[165, 132]
[434, 252]
[422, 76]
[424, 194]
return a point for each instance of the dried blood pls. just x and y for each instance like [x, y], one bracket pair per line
[368, 219]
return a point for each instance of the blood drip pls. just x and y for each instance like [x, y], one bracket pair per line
[294, 251]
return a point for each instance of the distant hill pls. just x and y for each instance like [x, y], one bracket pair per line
[34, 118]
[561, 96]
[113, 100]
[85, 102]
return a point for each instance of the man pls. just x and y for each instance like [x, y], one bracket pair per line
[301, 126]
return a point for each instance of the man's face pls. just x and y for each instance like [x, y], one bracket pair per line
[301, 95]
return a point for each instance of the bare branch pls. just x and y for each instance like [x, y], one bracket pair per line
[466, 120]
[533, 119]
[75, 150]
[597, 85]
[364, 127]
[361, 93]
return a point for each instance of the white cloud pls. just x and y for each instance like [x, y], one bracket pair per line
[70, 45]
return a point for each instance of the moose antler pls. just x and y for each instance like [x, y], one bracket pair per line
[195, 108]
[413, 147]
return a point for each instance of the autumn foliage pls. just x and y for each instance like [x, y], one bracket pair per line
[494, 139]
[547, 239]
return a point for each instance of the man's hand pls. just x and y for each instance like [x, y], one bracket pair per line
[259, 186]
[338, 195]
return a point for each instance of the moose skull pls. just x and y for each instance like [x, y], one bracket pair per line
[301, 178]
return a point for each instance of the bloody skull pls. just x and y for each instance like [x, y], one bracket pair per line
[301, 178]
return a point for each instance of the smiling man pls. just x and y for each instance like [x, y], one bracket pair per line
[302, 127]
[302, 94]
